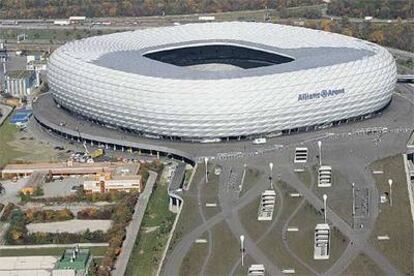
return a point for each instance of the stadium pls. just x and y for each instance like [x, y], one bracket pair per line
[230, 80]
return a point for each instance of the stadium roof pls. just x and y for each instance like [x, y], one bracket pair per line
[309, 48]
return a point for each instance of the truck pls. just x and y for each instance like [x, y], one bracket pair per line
[61, 22]
[97, 153]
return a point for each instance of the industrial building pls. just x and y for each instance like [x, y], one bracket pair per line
[213, 81]
[58, 169]
[20, 83]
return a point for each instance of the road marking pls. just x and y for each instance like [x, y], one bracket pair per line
[378, 172]
[211, 204]
[288, 271]
[295, 195]
[383, 238]
[201, 241]
[293, 229]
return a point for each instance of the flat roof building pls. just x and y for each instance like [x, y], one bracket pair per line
[124, 178]
[61, 168]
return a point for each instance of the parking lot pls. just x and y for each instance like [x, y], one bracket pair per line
[63, 187]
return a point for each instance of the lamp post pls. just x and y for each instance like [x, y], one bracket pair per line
[320, 152]
[206, 163]
[242, 249]
[353, 199]
[390, 184]
[243, 176]
[271, 174]
[325, 197]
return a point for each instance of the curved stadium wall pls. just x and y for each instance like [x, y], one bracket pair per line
[286, 78]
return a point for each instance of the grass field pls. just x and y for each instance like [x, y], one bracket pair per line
[16, 145]
[194, 259]
[225, 250]
[51, 251]
[152, 236]
[363, 266]
[395, 221]
[7, 134]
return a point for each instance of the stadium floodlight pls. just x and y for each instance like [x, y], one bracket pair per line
[206, 165]
[271, 175]
[320, 152]
[390, 184]
[242, 249]
[325, 197]
[353, 200]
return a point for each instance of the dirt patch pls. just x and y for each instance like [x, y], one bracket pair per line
[150, 229]
[70, 226]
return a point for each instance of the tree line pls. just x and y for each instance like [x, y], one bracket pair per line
[103, 8]
[395, 35]
[385, 9]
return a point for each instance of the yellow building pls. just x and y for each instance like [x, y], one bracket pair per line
[124, 178]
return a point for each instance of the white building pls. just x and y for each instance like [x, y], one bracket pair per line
[20, 83]
[267, 205]
[256, 270]
[321, 242]
[325, 176]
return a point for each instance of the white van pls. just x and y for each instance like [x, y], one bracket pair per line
[259, 141]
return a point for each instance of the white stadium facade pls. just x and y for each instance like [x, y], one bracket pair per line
[221, 80]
